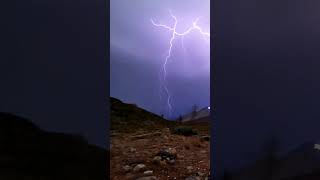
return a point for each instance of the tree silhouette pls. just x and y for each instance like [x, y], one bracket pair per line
[226, 175]
[270, 150]
[194, 111]
[180, 119]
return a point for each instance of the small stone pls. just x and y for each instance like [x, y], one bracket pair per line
[130, 176]
[172, 151]
[179, 156]
[163, 163]
[148, 178]
[126, 168]
[132, 150]
[193, 178]
[205, 138]
[148, 173]
[139, 168]
[189, 169]
[156, 160]
[171, 161]
[201, 174]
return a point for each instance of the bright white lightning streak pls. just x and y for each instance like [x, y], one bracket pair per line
[173, 36]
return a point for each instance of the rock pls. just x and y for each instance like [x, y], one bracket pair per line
[148, 173]
[201, 174]
[165, 137]
[132, 150]
[130, 176]
[156, 160]
[135, 160]
[163, 163]
[193, 178]
[170, 153]
[171, 161]
[127, 168]
[148, 178]
[205, 138]
[203, 151]
[189, 169]
[139, 168]
[179, 156]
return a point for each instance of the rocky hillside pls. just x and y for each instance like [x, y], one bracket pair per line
[145, 146]
[27, 152]
[130, 118]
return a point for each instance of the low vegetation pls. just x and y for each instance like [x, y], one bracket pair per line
[185, 131]
[128, 118]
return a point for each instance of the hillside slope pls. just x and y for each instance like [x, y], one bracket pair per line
[146, 146]
[130, 118]
[27, 152]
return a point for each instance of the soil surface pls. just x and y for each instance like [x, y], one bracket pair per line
[145, 146]
[128, 150]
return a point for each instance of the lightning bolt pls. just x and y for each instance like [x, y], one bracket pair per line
[174, 35]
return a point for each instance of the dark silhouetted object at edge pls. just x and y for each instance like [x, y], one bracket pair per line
[27, 152]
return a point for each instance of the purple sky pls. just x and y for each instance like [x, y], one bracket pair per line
[138, 51]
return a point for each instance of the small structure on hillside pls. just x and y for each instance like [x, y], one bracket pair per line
[197, 114]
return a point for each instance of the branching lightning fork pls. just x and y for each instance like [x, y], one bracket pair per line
[174, 35]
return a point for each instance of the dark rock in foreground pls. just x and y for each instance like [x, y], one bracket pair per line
[302, 163]
[27, 152]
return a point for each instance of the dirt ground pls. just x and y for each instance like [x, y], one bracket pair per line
[192, 159]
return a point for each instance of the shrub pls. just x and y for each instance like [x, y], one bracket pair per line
[185, 131]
